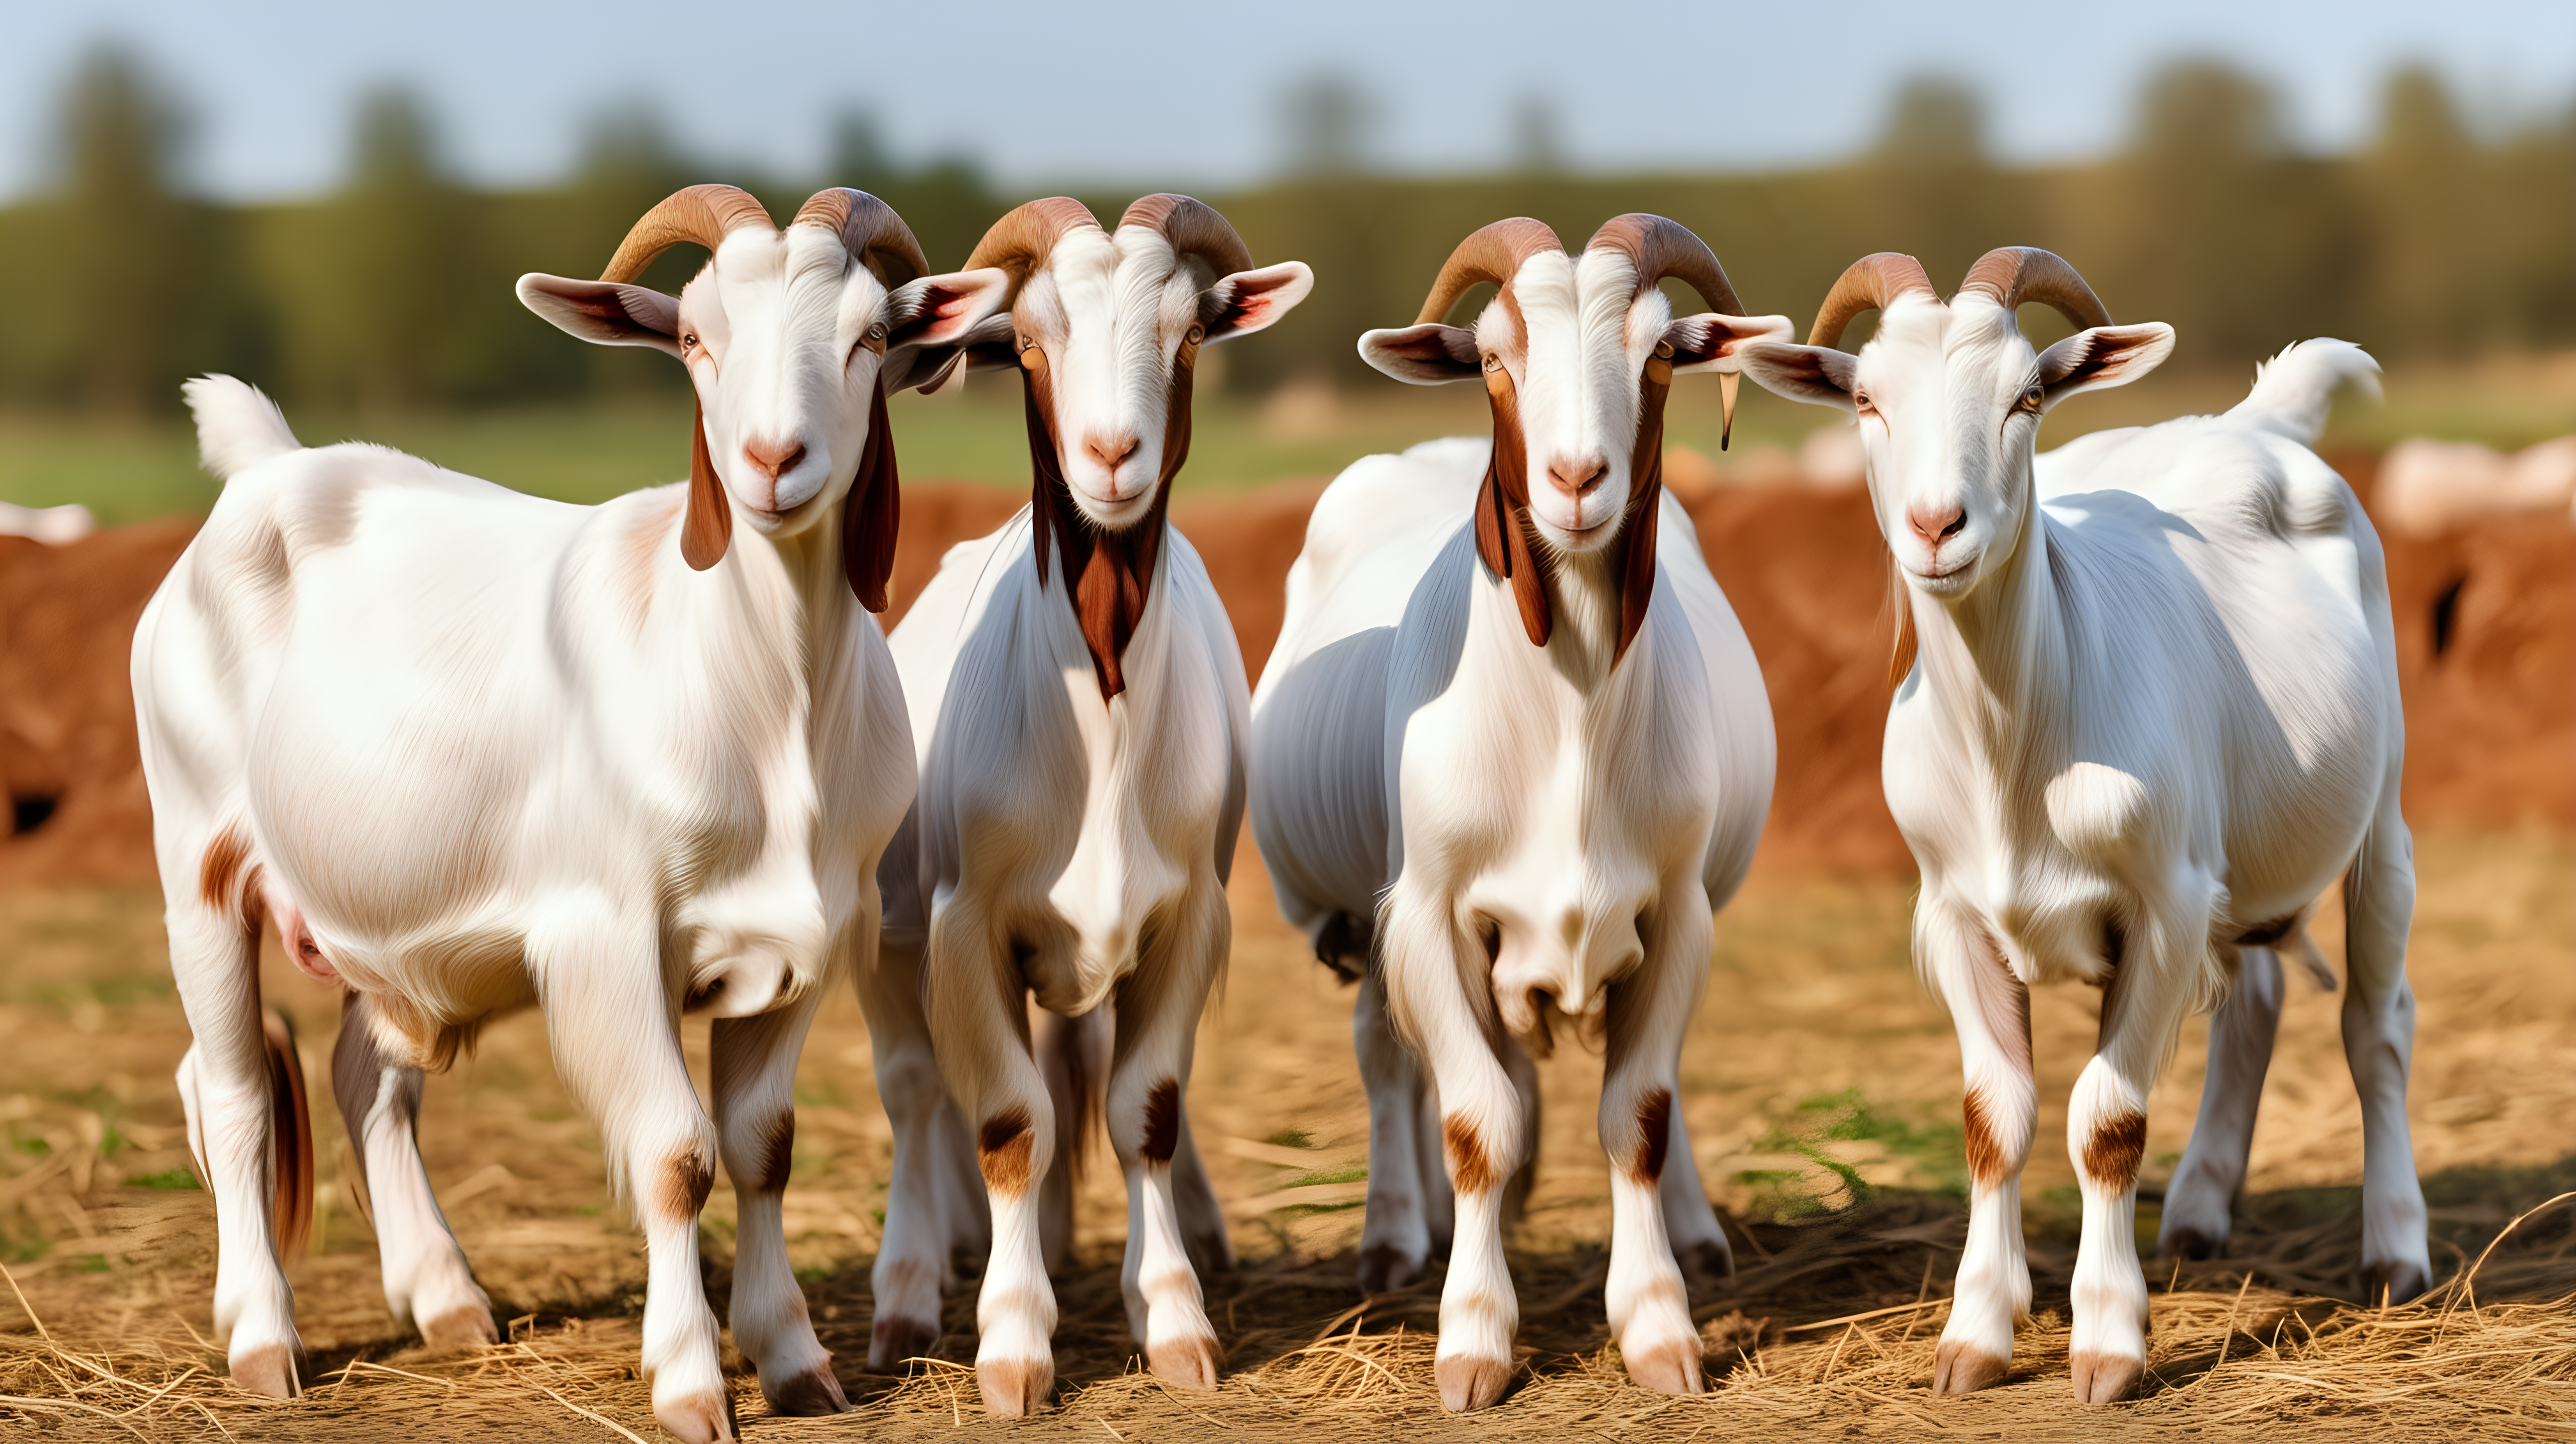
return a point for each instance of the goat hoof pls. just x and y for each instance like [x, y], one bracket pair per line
[895, 1339]
[1468, 1383]
[1015, 1388]
[267, 1369]
[1706, 1267]
[2105, 1378]
[697, 1418]
[1189, 1361]
[1667, 1368]
[2191, 1244]
[1384, 1269]
[809, 1395]
[459, 1331]
[1964, 1369]
[2392, 1280]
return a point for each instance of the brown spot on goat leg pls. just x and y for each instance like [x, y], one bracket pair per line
[2112, 1155]
[777, 1152]
[684, 1184]
[1003, 1151]
[1985, 1150]
[219, 873]
[1162, 1121]
[1655, 1129]
[1471, 1168]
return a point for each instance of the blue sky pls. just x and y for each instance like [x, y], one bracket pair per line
[1169, 94]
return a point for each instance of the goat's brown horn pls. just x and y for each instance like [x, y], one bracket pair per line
[1870, 283]
[1494, 253]
[2014, 274]
[1021, 241]
[870, 229]
[702, 215]
[1661, 248]
[1194, 229]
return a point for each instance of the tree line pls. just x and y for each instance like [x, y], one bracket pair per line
[2427, 242]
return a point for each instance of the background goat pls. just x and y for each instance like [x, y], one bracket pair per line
[1079, 709]
[2151, 711]
[473, 750]
[1511, 751]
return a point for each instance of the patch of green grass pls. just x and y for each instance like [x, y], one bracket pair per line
[1291, 1138]
[1347, 1173]
[26, 1249]
[90, 1263]
[819, 1094]
[36, 1146]
[1299, 1210]
[1936, 1152]
[176, 1179]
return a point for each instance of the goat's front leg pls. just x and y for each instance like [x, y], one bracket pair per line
[752, 1073]
[2379, 1045]
[2200, 1202]
[2106, 1135]
[1990, 1010]
[426, 1277]
[611, 1026]
[1649, 1011]
[979, 1021]
[1482, 1130]
[1158, 1016]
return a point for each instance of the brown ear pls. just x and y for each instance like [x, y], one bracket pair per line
[708, 528]
[872, 516]
[1645, 499]
[1502, 511]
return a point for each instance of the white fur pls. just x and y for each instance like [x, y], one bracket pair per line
[2155, 707]
[1425, 780]
[489, 751]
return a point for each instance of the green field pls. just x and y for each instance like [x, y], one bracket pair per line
[587, 453]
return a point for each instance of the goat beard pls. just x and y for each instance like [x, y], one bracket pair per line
[1109, 575]
[1506, 538]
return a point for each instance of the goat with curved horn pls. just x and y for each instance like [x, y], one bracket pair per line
[1868, 284]
[699, 215]
[1024, 237]
[1494, 253]
[2013, 275]
[869, 229]
[1661, 247]
[1194, 228]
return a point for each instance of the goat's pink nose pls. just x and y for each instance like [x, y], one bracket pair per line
[771, 458]
[1575, 475]
[1935, 526]
[1111, 449]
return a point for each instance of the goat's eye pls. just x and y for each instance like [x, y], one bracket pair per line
[1493, 363]
[1861, 401]
[1198, 333]
[2033, 399]
[877, 333]
[689, 342]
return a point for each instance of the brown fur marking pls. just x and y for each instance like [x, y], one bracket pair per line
[643, 543]
[686, 1178]
[1003, 1151]
[1985, 1150]
[777, 1152]
[2112, 1155]
[1471, 1168]
[1162, 1121]
[219, 876]
[1655, 1127]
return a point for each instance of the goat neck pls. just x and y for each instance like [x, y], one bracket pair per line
[1109, 576]
[1997, 660]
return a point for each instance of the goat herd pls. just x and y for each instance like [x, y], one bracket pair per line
[472, 751]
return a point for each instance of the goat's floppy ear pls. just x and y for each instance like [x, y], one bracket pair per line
[1425, 355]
[1247, 301]
[1817, 375]
[706, 528]
[2103, 357]
[870, 522]
[928, 320]
[1709, 341]
[609, 313]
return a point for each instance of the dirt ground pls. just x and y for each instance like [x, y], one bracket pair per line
[1821, 1088]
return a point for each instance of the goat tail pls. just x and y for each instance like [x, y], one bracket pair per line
[290, 1136]
[237, 426]
[2292, 390]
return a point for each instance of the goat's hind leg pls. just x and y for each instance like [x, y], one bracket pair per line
[2379, 1044]
[924, 1203]
[752, 1069]
[1397, 1236]
[427, 1280]
[2200, 1202]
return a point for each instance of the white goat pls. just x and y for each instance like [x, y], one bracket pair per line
[473, 750]
[1510, 753]
[1079, 709]
[2428, 487]
[2153, 712]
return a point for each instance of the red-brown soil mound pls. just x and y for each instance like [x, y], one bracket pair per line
[2491, 710]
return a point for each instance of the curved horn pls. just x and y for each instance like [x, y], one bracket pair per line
[870, 229]
[2014, 274]
[1494, 253]
[1194, 229]
[1661, 248]
[702, 215]
[1870, 283]
[1021, 241]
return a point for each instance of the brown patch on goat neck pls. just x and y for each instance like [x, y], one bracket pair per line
[1003, 1151]
[1471, 1168]
[1162, 1121]
[682, 1189]
[220, 873]
[1655, 1130]
[2112, 1154]
[1985, 1150]
[777, 1152]
[1502, 512]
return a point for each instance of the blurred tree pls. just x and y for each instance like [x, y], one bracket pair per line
[629, 164]
[1538, 136]
[1328, 124]
[2430, 281]
[1932, 189]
